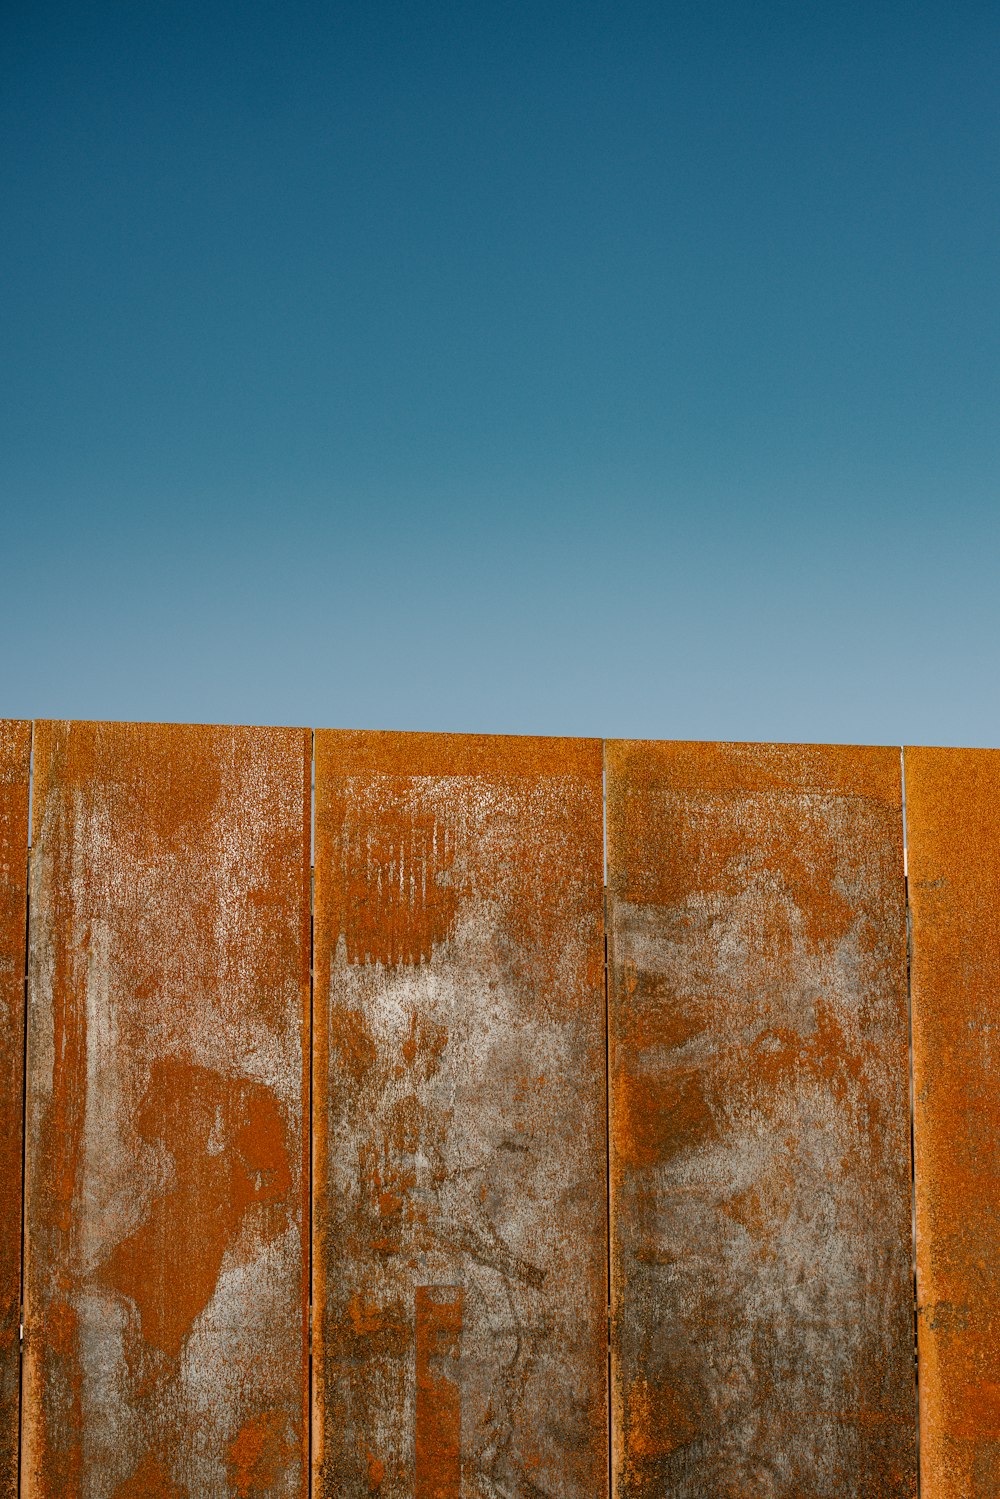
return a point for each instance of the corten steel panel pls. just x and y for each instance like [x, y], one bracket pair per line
[459, 1116]
[167, 1187]
[953, 837]
[15, 761]
[762, 1334]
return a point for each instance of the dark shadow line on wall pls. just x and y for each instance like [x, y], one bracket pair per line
[913, 1157]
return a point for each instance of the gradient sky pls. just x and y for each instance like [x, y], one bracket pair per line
[625, 369]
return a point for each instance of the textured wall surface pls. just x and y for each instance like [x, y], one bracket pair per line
[760, 1184]
[459, 1085]
[167, 1222]
[761, 1271]
[953, 837]
[15, 759]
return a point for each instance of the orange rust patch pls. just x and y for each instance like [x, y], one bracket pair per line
[353, 1042]
[438, 1438]
[865, 772]
[168, 760]
[228, 1143]
[365, 1319]
[370, 1329]
[258, 1454]
[367, 752]
[150, 1481]
[376, 1472]
[782, 845]
[658, 1420]
[656, 1117]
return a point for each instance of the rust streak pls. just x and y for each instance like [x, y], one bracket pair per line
[259, 1454]
[438, 1436]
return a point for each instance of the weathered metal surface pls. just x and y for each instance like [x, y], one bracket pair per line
[459, 1108]
[953, 837]
[15, 762]
[167, 1189]
[760, 1183]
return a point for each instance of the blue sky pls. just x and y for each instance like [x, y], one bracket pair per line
[600, 369]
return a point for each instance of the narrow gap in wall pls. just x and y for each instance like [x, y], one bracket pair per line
[913, 1172]
[604, 810]
[24, 1113]
[312, 920]
[607, 1134]
[31, 784]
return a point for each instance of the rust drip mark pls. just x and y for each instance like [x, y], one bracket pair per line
[438, 1442]
[228, 1142]
[400, 900]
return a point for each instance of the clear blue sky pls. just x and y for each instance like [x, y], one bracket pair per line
[624, 369]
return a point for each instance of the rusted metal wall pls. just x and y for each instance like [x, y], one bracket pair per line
[167, 1195]
[953, 838]
[15, 761]
[760, 1166]
[459, 1087]
[760, 1183]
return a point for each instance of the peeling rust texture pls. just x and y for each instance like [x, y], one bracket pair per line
[166, 1265]
[459, 1117]
[15, 762]
[760, 1184]
[953, 823]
